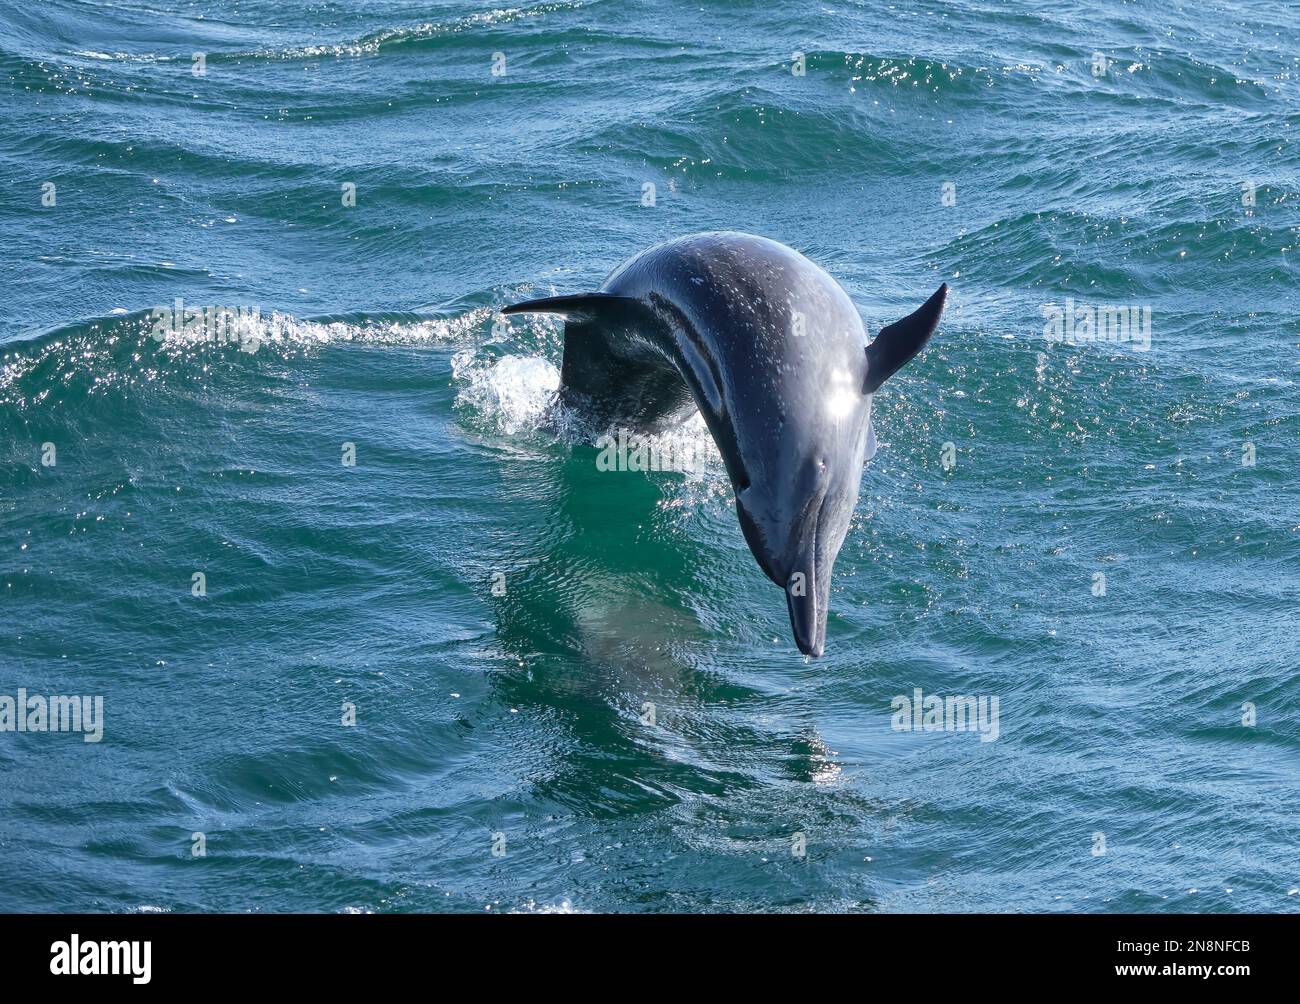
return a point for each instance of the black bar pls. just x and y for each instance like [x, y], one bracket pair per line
[334, 952]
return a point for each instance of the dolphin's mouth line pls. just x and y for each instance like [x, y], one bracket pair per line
[811, 519]
[807, 610]
[817, 525]
[816, 555]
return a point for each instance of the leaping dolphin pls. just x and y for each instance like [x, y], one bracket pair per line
[774, 355]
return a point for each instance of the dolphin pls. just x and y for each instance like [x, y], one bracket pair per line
[771, 351]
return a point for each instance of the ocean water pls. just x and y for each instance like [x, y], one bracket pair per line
[1104, 536]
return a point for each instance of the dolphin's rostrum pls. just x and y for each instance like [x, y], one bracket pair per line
[774, 355]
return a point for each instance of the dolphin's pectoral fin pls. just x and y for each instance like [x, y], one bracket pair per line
[580, 305]
[897, 343]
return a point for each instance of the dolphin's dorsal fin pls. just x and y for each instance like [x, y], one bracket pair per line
[897, 343]
[578, 305]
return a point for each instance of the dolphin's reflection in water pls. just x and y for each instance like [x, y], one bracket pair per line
[604, 625]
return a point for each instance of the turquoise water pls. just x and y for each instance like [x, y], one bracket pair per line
[519, 720]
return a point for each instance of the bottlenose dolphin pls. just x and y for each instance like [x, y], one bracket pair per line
[773, 353]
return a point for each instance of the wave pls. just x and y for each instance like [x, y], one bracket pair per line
[505, 373]
[81, 372]
[425, 35]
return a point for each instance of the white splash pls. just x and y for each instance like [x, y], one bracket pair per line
[515, 393]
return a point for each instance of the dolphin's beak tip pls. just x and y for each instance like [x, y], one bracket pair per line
[814, 651]
[809, 636]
